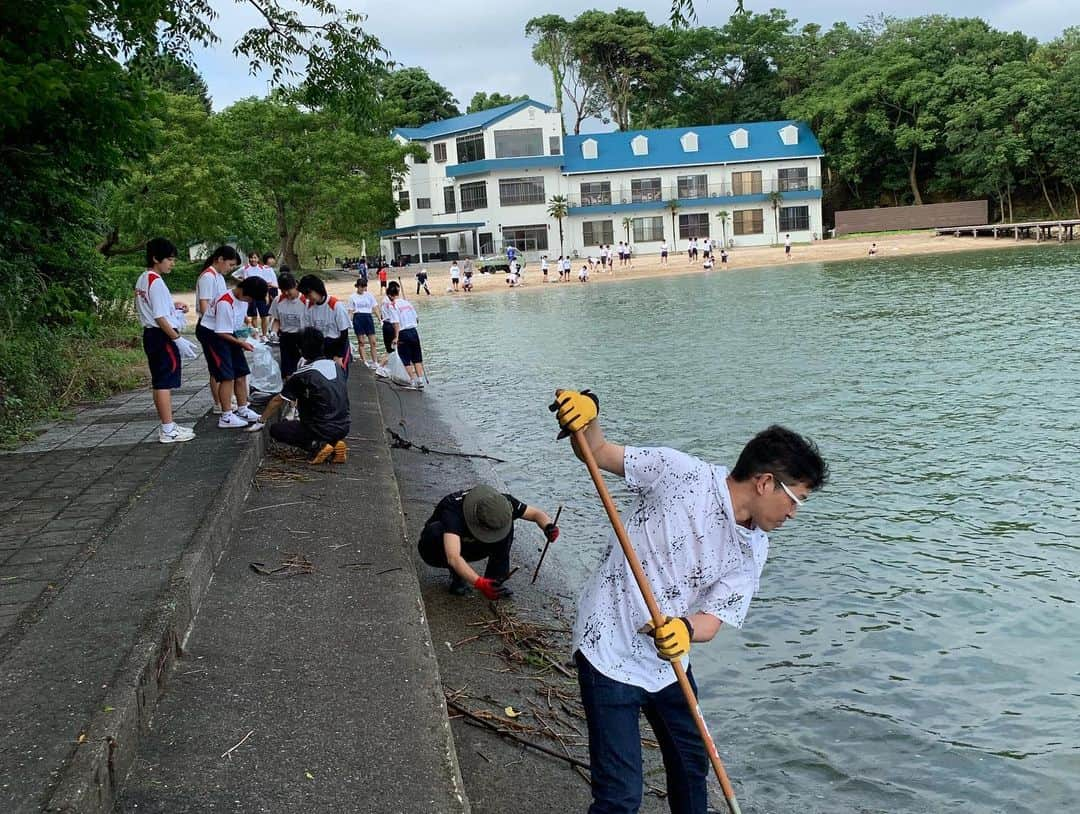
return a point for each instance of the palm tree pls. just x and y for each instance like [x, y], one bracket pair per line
[776, 197]
[627, 223]
[673, 207]
[559, 208]
[723, 215]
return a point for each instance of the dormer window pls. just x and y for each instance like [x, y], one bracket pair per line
[588, 148]
[689, 142]
[789, 135]
[640, 145]
[740, 139]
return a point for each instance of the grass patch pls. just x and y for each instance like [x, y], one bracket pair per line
[44, 370]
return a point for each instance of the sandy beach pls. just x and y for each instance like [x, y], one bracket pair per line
[901, 245]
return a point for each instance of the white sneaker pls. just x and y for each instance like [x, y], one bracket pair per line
[382, 372]
[255, 427]
[231, 421]
[178, 435]
[247, 413]
[419, 384]
[371, 365]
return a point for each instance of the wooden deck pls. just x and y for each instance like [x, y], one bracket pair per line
[1039, 230]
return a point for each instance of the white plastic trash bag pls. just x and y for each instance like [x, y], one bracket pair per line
[396, 369]
[265, 373]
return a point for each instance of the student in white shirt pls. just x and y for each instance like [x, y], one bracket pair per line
[544, 268]
[161, 341]
[455, 275]
[211, 285]
[331, 316]
[287, 313]
[252, 268]
[706, 247]
[225, 356]
[362, 306]
[406, 337]
[701, 534]
[267, 272]
[583, 275]
[787, 246]
[663, 253]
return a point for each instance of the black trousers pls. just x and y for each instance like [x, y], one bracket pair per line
[298, 434]
[497, 554]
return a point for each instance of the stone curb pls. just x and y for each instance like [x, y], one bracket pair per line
[89, 781]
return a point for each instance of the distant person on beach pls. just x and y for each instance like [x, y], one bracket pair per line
[691, 250]
[544, 268]
[362, 306]
[787, 246]
[707, 264]
[701, 533]
[706, 247]
[583, 275]
[723, 255]
[421, 281]
[319, 392]
[287, 313]
[663, 253]
[455, 275]
[467, 271]
[382, 274]
[567, 267]
[477, 524]
[873, 249]
[162, 343]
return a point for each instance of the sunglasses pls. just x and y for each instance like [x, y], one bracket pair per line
[787, 491]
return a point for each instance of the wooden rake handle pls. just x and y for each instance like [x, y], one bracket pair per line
[657, 617]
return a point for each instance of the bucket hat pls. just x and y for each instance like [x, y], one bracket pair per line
[488, 514]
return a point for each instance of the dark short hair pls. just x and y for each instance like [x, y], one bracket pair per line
[785, 454]
[158, 249]
[223, 253]
[286, 282]
[309, 283]
[267, 256]
[312, 344]
[254, 287]
[393, 290]
[361, 283]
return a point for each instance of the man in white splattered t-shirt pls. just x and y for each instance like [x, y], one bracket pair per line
[700, 532]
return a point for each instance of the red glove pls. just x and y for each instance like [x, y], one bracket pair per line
[490, 588]
[551, 531]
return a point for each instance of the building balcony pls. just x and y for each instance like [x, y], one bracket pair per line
[688, 193]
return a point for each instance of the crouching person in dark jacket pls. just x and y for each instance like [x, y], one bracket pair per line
[318, 389]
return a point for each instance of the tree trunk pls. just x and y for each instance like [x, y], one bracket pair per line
[282, 230]
[1046, 193]
[289, 251]
[1008, 194]
[562, 252]
[1076, 198]
[912, 179]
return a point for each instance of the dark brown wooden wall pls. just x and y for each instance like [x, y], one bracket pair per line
[927, 216]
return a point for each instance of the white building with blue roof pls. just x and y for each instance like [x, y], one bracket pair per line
[490, 178]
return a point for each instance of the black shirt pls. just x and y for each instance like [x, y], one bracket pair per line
[319, 391]
[450, 512]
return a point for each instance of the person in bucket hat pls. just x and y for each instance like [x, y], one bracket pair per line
[477, 524]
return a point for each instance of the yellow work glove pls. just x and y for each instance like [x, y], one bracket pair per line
[672, 638]
[574, 411]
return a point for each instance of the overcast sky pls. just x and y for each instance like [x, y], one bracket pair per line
[471, 45]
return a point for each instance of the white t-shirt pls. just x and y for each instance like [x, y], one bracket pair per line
[268, 274]
[209, 286]
[330, 316]
[694, 555]
[404, 314]
[693, 245]
[706, 245]
[245, 271]
[663, 246]
[455, 272]
[387, 311]
[152, 299]
[566, 265]
[544, 264]
[787, 242]
[362, 303]
[289, 313]
[226, 315]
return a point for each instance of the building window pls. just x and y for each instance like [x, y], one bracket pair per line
[423, 203]
[746, 183]
[403, 200]
[696, 225]
[645, 189]
[518, 191]
[449, 204]
[439, 151]
[794, 218]
[793, 180]
[597, 193]
[597, 232]
[474, 196]
[748, 221]
[693, 186]
[554, 145]
[648, 229]
[518, 143]
[470, 148]
[526, 238]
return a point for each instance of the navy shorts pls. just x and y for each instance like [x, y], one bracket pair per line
[363, 325]
[388, 336]
[663, 254]
[205, 337]
[163, 358]
[260, 307]
[290, 353]
[408, 346]
[226, 360]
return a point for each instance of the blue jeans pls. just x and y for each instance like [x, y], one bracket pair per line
[613, 711]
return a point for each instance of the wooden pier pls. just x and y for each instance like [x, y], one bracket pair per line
[1039, 230]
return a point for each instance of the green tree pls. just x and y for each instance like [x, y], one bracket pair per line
[319, 178]
[775, 198]
[411, 98]
[618, 50]
[673, 208]
[627, 223]
[552, 48]
[485, 101]
[167, 72]
[559, 208]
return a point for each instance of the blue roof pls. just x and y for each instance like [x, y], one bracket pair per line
[470, 121]
[613, 150]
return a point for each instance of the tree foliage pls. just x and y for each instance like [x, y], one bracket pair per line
[486, 101]
[411, 98]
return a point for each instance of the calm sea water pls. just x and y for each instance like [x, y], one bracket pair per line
[914, 645]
